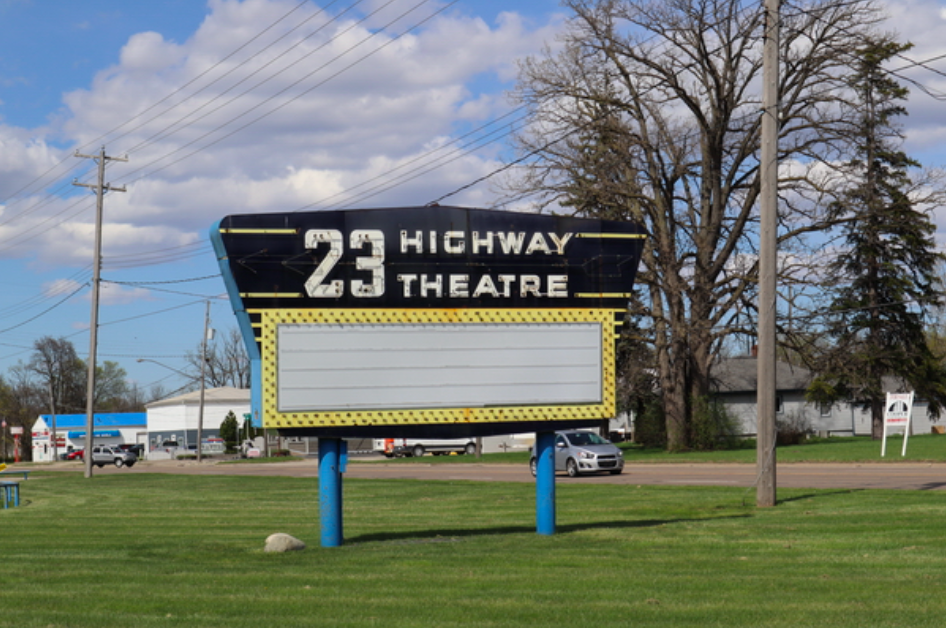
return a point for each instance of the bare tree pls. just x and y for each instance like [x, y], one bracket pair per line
[227, 362]
[60, 373]
[651, 112]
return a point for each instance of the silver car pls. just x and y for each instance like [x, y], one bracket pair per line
[578, 452]
[105, 454]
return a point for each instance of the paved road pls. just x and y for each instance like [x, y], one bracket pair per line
[911, 476]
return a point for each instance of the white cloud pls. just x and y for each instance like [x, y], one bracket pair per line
[112, 294]
[346, 102]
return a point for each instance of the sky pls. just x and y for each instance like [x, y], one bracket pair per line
[228, 106]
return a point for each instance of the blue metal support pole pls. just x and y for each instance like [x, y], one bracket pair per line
[545, 482]
[331, 462]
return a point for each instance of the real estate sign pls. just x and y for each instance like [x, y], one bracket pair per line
[897, 414]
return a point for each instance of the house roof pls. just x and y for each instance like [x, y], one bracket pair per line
[734, 375]
[107, 419]
[225, 394]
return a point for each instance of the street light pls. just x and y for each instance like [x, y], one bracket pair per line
[200, 411]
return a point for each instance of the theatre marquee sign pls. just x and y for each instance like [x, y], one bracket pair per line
[429, 316]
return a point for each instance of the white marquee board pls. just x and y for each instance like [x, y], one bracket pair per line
[386, 366]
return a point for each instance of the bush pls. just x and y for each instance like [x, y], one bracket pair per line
[280, 453]
[792, 429]
[712, 426]
[650, 426]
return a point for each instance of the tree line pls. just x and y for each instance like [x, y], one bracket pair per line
[650, 111]
[53, 380]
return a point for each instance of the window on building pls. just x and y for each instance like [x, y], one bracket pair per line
[779, 406]
[826, 409]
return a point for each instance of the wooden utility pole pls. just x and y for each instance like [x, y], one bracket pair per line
[768, 261]
[203, 386]
[100, 189]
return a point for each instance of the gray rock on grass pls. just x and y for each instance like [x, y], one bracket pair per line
[280, 542]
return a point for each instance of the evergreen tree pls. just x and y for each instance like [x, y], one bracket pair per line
[230, 431]
[886, 275]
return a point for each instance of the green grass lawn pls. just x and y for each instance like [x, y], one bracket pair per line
[172, 550]
[923, 448]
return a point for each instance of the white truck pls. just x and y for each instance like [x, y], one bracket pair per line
[417, 447]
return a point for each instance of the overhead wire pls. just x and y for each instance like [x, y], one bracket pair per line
[42, 177]
[895, 72]
[207, 71]
[46, 311]
[128, 261]
[12, 200]
[287, 102]
[170, 128]
[429, 162]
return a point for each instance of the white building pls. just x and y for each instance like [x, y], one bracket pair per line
[735, 382]
[114, 428]
[175, 420]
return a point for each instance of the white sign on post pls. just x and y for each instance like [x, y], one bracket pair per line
[897, 412]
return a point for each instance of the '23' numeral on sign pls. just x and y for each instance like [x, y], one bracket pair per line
[317, 286]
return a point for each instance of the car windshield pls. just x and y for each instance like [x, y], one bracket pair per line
[586, 438]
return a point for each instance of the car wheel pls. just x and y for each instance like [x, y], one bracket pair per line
[99, 465]
[418, 451]
[532, 466]
[616, 471]
[571, 467]
[470, 449]
[130, 464]
[119, 462]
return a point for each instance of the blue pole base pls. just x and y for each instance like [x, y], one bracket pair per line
[331, 461]
[545, 482]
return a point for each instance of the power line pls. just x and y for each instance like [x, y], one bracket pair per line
[46, 311]
[167, 130]
[289, 101]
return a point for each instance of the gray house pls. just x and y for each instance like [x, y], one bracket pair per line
[735, 382]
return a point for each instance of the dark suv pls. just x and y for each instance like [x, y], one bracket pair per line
[108, 454]
[136, 448]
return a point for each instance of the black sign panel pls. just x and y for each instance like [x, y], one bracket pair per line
[429, 257]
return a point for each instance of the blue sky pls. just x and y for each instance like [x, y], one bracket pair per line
[76, 75]
[173, 84]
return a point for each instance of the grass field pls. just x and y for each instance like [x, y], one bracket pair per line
[174, 550]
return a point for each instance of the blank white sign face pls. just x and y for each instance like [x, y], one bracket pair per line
[395, 366]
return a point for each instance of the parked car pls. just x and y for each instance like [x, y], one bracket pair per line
[108, 454]
[578, 452]
[75, 454]
[135, 448]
